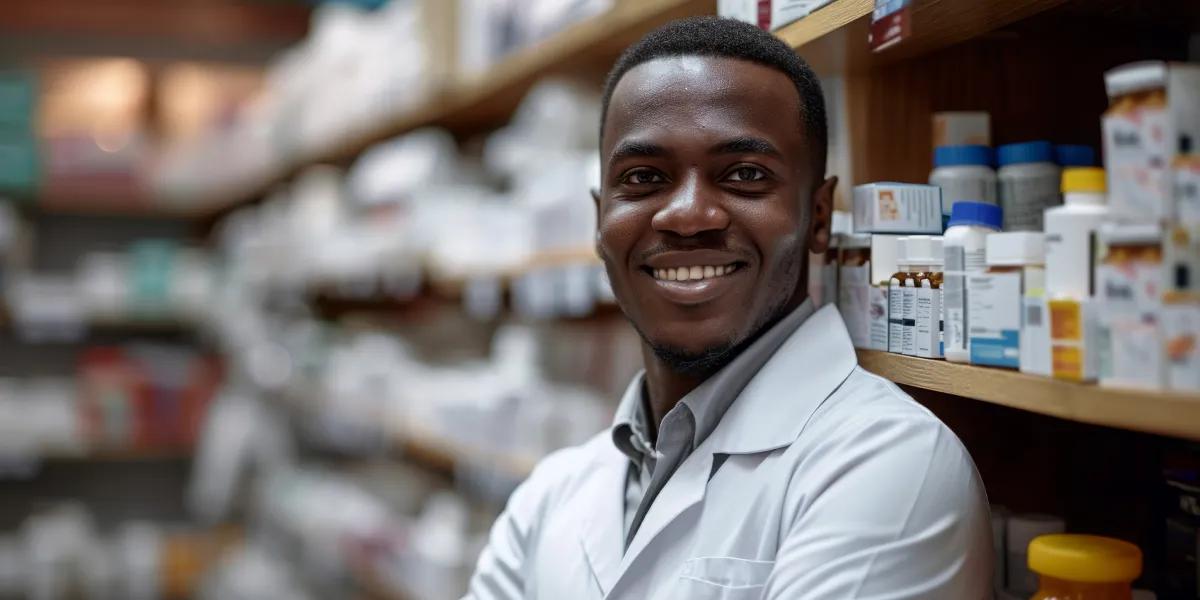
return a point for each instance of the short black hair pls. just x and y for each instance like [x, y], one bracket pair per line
[729, 38]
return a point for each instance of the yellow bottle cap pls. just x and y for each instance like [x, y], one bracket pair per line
[1084, 179]
[1085, 558]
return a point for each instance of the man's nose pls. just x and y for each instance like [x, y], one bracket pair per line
[692, 208]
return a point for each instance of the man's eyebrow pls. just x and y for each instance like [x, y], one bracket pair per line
[746, 145]
[634, 148]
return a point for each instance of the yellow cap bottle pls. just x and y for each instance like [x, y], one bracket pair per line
[1084, 567]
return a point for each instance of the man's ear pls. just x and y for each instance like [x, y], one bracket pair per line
[822, 211]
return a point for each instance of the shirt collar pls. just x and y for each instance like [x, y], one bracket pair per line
[712, 398]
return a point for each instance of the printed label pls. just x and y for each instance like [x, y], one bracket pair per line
[994, 303]
[895, 317]
[909, 308]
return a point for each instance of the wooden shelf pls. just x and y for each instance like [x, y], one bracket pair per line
[476, 103]
[1163, 413]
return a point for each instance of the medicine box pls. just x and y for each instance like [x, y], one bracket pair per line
[768, 14]
[1180, 320]
[1035, 335]
[927, 332]
[994, 302]
[962, 128]
[1129, 300]
[897, 208]
[1154, 116]
[1073, 339]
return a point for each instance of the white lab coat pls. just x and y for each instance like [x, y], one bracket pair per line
[834, 485]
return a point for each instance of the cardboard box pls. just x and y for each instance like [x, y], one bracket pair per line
[768, 14]
[1073, 339]
[1129, 279]
[994, 318]
[1154, 115]
[898, 208]
[1035, 342]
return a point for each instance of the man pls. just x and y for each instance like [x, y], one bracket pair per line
[753, 458]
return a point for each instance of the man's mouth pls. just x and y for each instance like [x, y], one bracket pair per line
[694, 272]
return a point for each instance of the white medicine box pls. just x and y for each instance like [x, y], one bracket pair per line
[898, 208]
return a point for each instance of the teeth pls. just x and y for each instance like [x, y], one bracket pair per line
[693, 273]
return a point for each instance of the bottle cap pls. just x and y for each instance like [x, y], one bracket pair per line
[1135, 77]
[954, 156]
[924, 250]
[1085, 558]
[1025, 152]
[1016, 248]
[982, 214]
[1084, 179]
[1075, 155]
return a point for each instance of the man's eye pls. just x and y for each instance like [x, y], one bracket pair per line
[643, 177]
[747, 174]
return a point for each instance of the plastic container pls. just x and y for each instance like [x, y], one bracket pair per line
[1020, 533]
[1029, 182]
[1084, 567]
[1074, 155]
[1069, 233]
[965, 250]
[963, 173]
[925, 257]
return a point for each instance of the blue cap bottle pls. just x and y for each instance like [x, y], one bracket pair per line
[976, 213]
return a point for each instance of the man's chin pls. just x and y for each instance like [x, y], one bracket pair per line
[695, 363]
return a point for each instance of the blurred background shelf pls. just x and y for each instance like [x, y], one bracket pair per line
[445, 455]
[1162, 413]
[476, 103]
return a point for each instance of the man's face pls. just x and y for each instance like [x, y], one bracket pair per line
[705, 206]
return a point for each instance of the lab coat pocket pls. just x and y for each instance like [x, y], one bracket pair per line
[723, 578]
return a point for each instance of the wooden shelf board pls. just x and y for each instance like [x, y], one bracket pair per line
[1163, 413]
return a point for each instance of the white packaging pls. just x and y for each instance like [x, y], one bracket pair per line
[1129, 305]
[884, 252]
[854, 283]
[995, 298]
[1035, 325]
[1069, 232]
[1029, 183]
[965, 250]
[899, 302]
[1022, 529]
[897, 208]
[1155, 106]
[768, 14]
[962, 128]
[1181, 327]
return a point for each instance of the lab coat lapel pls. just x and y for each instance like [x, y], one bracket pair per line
[602, 523]
[683, 490]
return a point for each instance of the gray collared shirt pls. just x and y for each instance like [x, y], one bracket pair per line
[689, 423]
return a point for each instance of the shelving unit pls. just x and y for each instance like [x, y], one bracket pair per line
[1162, 413]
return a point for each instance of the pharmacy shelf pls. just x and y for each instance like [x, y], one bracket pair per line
[440, 453]
[833, 39]
[1162, 413]
[476, 103]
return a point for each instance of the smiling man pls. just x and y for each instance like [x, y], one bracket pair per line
[752, 458]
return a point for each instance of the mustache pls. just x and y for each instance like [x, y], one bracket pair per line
[719, 243]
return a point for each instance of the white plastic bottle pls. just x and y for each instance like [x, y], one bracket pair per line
[1069, 231]
[1029, 184]
[965, 248]
[963, 173]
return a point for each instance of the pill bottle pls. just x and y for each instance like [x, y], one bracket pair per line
[965, 249]
[896, 309]
[963, 173]
[1029, 183]
[1069, 232]
[995, 297]
[854, 282]
[925, 257]
[1022, 529]
[1074, 155]
[1084, 567]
